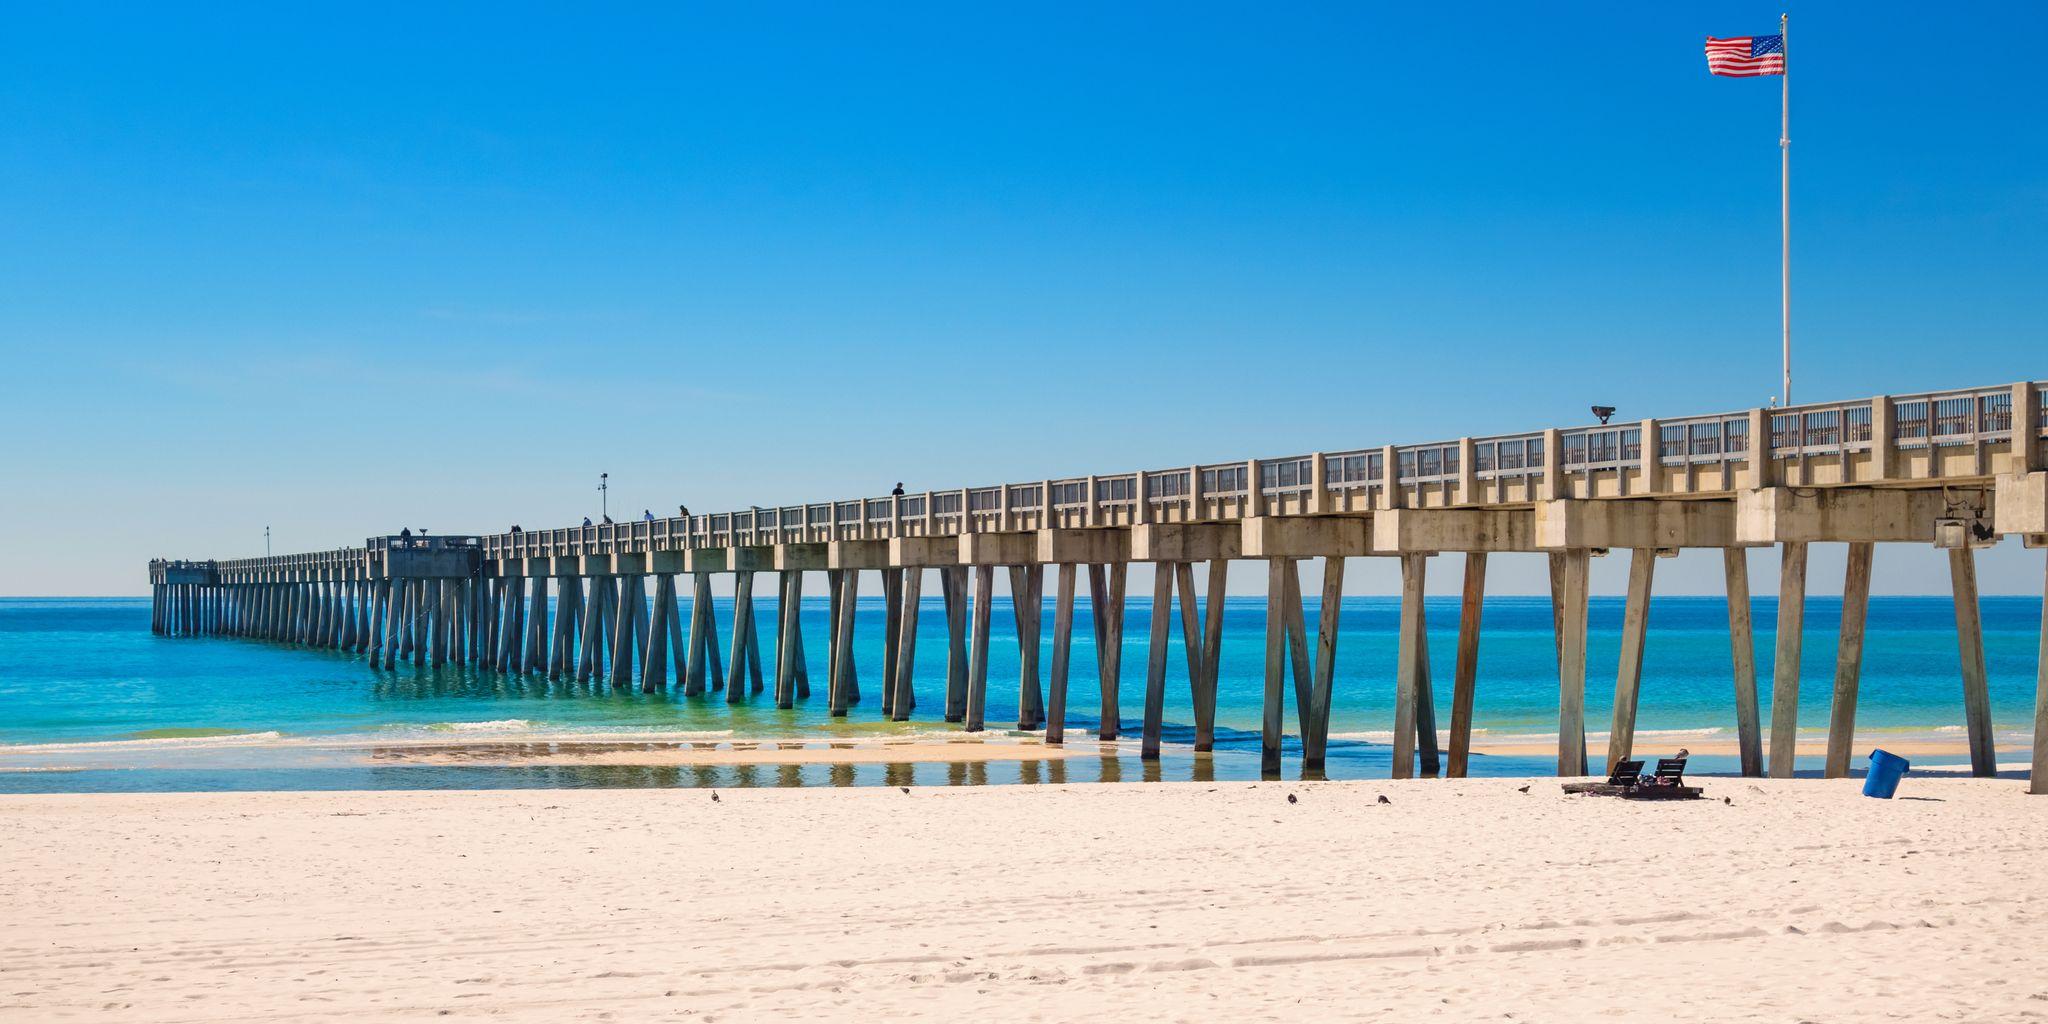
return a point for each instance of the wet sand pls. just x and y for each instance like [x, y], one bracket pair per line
[657, 754]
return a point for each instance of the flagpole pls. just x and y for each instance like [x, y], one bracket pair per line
[1785, 202]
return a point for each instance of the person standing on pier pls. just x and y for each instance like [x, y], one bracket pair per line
[647, 515]
[898, 492]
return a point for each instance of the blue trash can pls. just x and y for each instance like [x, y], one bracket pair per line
[1886, 769]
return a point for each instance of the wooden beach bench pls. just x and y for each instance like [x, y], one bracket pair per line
[1623, 778]
[1667, 784]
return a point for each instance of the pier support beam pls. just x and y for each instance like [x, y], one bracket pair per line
[976, 709]
[2037, 779]
[601, 604]
[835, 582]
[1785, 664]
[1407, 668]
[909, 591]
[789, 608]
[842, 695]
[1271, 723]
[799, 663]
[953, 583]
[1106, 605]
[568, 616]
[1849, 660]
[1572, 588]
[1628, 676]
[437, 622]
[746, 654]
[632, 608]
[1962, 569]
[512, 645]
[839, 659]
[347, 633]
[1160, 625]
[1201, 697]
[1315, 737]
[1062, 648]
[537, 626]
[654, 658]
[892, 637]
[1299, 668]
[1027, 589]
[1212, 651]
[1742, 652]
[1464, 681]
[380, 615]
[703, 668]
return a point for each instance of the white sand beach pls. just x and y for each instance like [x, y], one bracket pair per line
[1474, 900]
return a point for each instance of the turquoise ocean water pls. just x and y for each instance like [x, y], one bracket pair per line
[91, 701]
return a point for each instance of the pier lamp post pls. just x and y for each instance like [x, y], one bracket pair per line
[604, 495]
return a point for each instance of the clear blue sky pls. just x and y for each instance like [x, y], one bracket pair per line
[341, 270]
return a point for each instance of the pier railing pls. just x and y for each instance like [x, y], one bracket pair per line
[1931, 436]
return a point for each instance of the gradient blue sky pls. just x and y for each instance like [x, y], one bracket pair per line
[337, 270]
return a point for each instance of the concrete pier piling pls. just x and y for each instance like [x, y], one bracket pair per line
[1849, 661]
[1748, 728]
[1106, 600]
[1957, 470]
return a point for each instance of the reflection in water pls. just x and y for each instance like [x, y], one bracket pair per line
[1174, 766]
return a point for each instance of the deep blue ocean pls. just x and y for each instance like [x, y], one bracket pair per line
[90, 700]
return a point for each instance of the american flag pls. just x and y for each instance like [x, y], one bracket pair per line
[1746, 56]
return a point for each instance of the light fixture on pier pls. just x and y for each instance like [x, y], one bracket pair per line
[1602, 412]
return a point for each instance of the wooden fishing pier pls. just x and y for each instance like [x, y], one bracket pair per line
[1955, 469]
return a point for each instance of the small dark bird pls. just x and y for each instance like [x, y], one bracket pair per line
[1522, 789]
[1291, 799]
[1728, 801]
[905, 789]
[714, 797]
[1383, 799]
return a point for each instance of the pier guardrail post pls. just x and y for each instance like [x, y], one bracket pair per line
[2026, 429]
